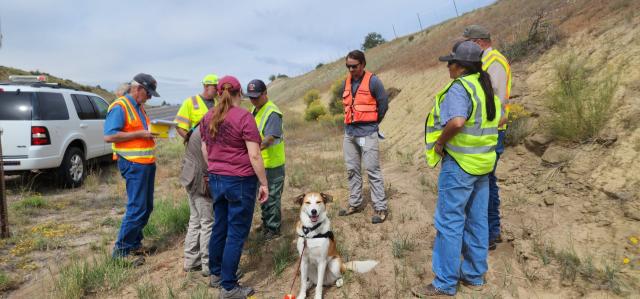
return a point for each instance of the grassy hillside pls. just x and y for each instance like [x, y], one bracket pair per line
[5, 72]
[570, 206]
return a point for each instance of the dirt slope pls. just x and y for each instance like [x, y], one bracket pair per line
[573, 218]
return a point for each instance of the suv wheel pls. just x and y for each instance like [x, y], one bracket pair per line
[73, 169]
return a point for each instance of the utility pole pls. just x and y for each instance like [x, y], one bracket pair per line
[394, 30]
[419, 21]
[456, 7]
[4, 215]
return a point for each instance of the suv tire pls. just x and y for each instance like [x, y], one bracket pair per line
[73, 169]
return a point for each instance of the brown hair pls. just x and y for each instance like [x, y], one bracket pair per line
[220, 110]
[357, 55]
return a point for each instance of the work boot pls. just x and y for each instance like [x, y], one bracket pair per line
[379, 216]
[142, 250]
[193, 269]
[428, 291]
[239, 292]
[473, 287]
[493, 245]
[131, 260]
[349, 211]
[215, 280]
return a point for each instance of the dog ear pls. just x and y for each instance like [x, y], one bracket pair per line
[326, 197]
[298, 200]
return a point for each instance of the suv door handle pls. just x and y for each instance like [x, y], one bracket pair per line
[84, 126]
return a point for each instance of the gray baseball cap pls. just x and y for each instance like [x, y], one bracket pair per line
[148, 83]
[476, 31]
[464, 51]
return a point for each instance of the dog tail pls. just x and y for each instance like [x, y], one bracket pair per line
[358, 266]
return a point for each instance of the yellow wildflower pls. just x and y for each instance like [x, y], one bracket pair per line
[633, 240]
[626, 261]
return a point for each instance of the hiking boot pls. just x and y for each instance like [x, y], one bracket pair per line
[269, 235]
[471, 286]
[142, 250]
[349, 211]
[239, 292]
[215, 280]
[498, 239]
[428, 291]
[493, 245]
[131, 260]
[379, 216]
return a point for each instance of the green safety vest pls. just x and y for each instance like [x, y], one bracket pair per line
[497, 57]
[474, 146]
[273, 156]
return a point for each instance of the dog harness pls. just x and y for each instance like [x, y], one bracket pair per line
[307, 230]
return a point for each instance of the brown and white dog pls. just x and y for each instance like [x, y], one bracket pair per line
[320, 263]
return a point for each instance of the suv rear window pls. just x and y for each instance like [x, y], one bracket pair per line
[32, 105]
[50, 106]
[15, 105]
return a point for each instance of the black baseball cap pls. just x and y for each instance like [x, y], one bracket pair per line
[255, 88]
[148, 83]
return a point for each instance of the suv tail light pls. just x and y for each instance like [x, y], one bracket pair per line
[40, 136]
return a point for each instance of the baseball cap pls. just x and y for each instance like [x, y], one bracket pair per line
[476, 31]
[464, 51]
[148, 83]
[210, 79]
[255, 88]
[230, 83]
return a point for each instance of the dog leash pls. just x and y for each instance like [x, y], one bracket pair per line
[298, 269]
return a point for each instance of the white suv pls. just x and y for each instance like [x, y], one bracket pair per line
[48, 126]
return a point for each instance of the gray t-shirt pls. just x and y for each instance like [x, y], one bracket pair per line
[273, 127]
[209, 104]
[382, 99]
[194, 167]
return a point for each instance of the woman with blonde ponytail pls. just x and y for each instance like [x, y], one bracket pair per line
[231, 147]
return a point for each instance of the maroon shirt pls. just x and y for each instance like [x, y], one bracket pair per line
[228, 154]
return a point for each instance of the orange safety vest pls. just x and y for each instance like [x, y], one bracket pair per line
[139, 150]
[361, 107]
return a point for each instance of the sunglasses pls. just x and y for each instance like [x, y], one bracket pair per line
[352, 66]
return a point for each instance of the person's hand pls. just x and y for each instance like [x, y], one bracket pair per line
[144, 134]
[439, 148]
[263, 194]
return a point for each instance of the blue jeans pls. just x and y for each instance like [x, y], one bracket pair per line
[494, 193]
[139, 179]
[234, 199]
[461, 224]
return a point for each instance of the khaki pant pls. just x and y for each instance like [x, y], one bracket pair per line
[358, 151]
[196, 243]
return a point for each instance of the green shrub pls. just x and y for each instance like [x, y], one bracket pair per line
[6, 282]
[282, 256]
[314, 110]
[335, 105]
[32, 202]
[311, 96]
[580, 104]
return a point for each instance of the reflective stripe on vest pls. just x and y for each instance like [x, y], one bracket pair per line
[274, 155]
[495, 56]
[191, 112]
[361, 107]
[473, 147]
[139, 150]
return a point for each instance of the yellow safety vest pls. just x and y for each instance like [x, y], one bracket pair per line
[495, 56]
[191, 112]
[273, 156]
[474, 146]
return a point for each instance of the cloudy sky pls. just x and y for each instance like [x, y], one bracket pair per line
[178, 42]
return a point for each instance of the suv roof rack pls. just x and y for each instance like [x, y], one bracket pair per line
[40, 84]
